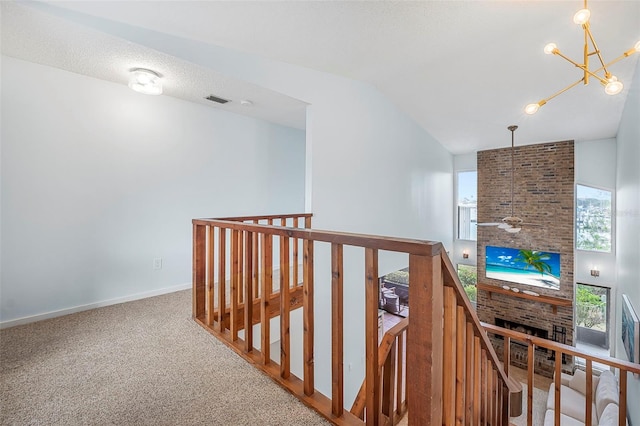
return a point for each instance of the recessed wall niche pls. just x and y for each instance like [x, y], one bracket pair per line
[543, 195]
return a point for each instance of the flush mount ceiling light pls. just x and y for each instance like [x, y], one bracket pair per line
[611, 84]
[145, 81]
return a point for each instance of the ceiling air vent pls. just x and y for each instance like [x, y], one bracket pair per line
[217, 99]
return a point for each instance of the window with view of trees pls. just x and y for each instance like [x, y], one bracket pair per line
[593, 219]
[469, 278]
[592, 315]
[468, 205]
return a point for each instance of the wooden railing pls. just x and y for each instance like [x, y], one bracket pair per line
[392, 369]
[452, 372]
[560, 351]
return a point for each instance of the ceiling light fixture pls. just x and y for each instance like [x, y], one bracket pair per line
[611, 84]
[145, 81]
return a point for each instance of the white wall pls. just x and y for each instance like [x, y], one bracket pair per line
[628, 229]
[98, 180]
[370, 168]
[596, 166]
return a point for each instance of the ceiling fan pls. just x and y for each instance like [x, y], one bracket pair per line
[512, 224]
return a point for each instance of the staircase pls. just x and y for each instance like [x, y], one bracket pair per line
[440, 368]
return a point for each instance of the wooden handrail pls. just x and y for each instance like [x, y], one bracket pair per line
[559, 351]
[404, 245]
[565, 349]
[445, 346]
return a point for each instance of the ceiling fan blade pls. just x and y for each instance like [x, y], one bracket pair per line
[488, 224]
[504, 225]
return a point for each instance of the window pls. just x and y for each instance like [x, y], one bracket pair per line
[593, 219]
[592, 315]
[469, 278]
[468, 205]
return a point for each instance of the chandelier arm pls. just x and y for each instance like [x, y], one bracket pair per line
[582, 67]
[559, 92]
[619, 58]
[595, 47]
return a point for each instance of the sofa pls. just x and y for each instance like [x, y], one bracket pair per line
[573, 398]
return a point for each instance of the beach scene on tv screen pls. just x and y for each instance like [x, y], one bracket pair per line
[530, 267]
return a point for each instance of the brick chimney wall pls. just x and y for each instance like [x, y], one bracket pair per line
[544, 196]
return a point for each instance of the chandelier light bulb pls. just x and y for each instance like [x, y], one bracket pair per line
[582, 16]
[531, 109]
[550, 48]
[614, 86]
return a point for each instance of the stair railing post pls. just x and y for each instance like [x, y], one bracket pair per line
[425, 340]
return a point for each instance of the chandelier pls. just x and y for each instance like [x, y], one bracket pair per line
[611, 84]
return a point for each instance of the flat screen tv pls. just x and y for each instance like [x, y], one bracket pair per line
[530, 267]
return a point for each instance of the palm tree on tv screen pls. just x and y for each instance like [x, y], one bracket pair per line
[535, 260]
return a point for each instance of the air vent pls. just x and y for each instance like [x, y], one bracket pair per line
[217, 99]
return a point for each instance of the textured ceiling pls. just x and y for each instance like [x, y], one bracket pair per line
[462, 69]
[35, 36]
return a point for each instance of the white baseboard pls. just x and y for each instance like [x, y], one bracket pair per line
[73, 310]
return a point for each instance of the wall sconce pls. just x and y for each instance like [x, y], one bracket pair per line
[465, 254]
[595, 272]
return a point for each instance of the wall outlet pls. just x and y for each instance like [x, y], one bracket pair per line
[157, 263]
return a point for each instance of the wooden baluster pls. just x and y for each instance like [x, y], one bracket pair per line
[307, 319]
[248, 291]
[337, 342]
[222, 279]
[372, 377]
[504, 404]
[622, 408]
[483, 388]
[210, 275]
[240, 286]
[285, 337]
[461, 355]
[589, 397]
[388, 383]
[266, 241]
[449, 357]
[477, 381]
[199, 268]
[506, 356]
[235, 279]
[486, 389]
[491, 388]
[424, 342]
[296, 278]
[307, 222]
[469, 378]
[530, 366]
[557, 385]
[256, 263]
[497, 410]
[400, 374]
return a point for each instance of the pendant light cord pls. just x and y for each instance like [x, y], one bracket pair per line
[512, 129]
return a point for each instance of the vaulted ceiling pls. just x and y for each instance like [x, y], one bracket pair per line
[463, 70]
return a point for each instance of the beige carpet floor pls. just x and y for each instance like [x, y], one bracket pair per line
[138, 363]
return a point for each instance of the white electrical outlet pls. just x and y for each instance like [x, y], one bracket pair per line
[157, 263]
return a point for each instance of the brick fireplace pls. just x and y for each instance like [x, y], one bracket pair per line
[544, 196]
